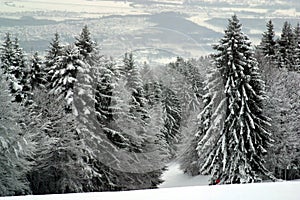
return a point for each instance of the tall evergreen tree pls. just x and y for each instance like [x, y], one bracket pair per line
[153, 93]
[36, 76]
[297, 48]
[236, 139]
[268, 43]
[135, 86]
[106, 100]
[132, 132]
[84, 42]
[283, 106]
[286, 47]
[55, 50]
[7, 53]
[62, 158]
[13, 145]
[14, 65]
[18, 61]
[65, 72]
[172, 119]
[192, 160]
[187, 86]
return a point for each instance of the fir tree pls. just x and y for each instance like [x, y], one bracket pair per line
[65, 71]
[160, 113]
[17, 72]
[137, 109]
[192, 74]
[191, 160]
[268, 43]
[284, 108]
[110, 128]
[55, 50]
[153, 93]
[133, 132]
[135, 86]
[18, 61]
[7, 54]
[109, 102]
[236, 139]
[286, 47]
[36, 76]
[62, 156]
[172, 119]
[84, 42]
[74, 79]
[187, 85]
[13, 145]
[107, 78]
[297, 48]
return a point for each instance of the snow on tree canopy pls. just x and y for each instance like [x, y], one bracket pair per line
[232, 136]
[65, 73]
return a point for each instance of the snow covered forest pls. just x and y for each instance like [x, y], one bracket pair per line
[74, 120]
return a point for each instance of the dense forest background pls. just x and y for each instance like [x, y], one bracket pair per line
[76, 120]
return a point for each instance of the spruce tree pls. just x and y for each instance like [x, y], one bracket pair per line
[36, 76]
[84, 42]
[297, 48]
[172, 119]
[283, 106]
[133, 132]
[106, 100]
[18, 61]
[153, 93]
[191, 160]
[187, 86]
[62, 156]
[110, 128]
[13, 144]
[18, 72]
[55, 50]
[65, 72]
[268, 43]
[13, 65]
[286, 47]
[75, 79]
[135, 86]
[237, 138]
[7, 54]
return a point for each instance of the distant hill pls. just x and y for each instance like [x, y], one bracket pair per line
[25, 21]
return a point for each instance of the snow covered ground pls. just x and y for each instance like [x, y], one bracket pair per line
[182, 186]
[258, 191]
[174, 177]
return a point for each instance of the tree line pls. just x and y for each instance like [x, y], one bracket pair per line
[75, 120]
[85, 123]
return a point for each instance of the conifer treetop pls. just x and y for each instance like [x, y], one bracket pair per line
[268, 42]
[84, 42]
[55, 47]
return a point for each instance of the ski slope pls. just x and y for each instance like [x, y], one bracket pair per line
[178, 186]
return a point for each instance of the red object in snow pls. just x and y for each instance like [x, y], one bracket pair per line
[217, 181]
